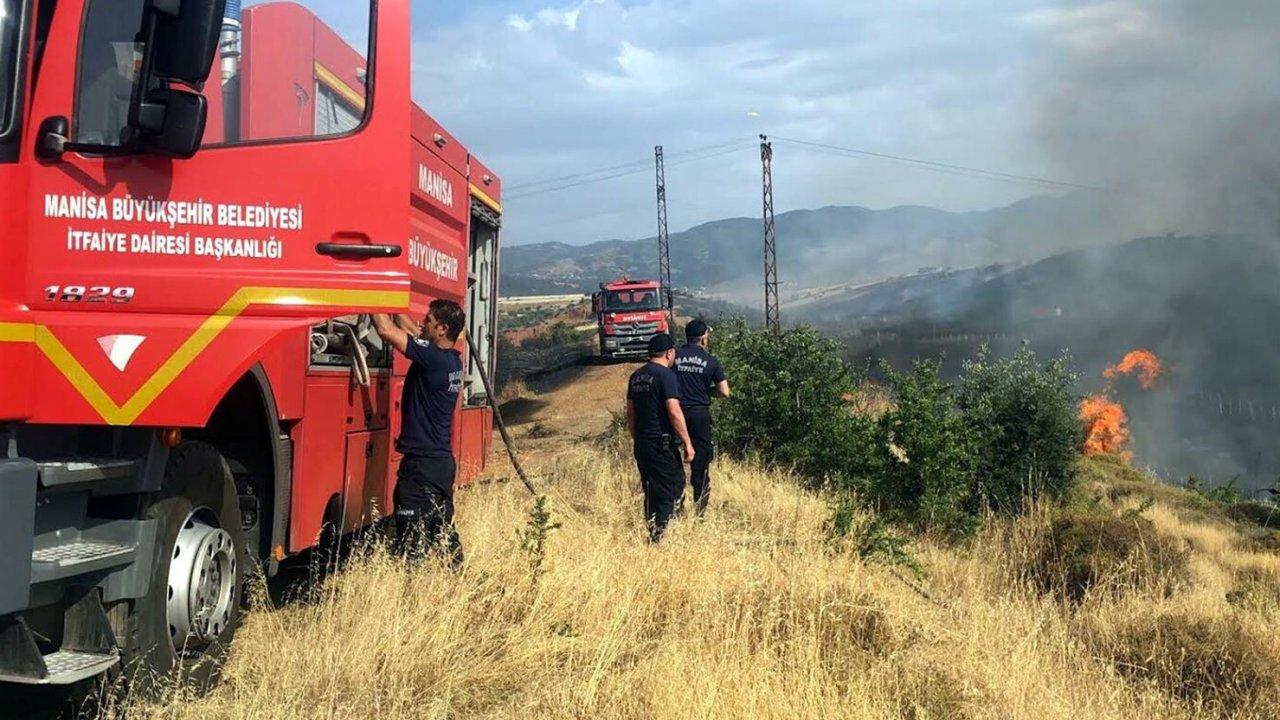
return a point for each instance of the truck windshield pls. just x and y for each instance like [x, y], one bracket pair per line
[631, 300]
[10, 13]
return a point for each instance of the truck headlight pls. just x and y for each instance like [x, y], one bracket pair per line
[610, 343]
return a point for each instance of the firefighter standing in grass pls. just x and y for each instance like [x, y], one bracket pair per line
[657, 428]
[424, 484]
[701, 377]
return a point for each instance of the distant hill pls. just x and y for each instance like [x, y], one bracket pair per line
[827, 246]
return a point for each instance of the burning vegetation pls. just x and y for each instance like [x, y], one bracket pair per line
[1106, 427]
[1106, 424]
[1143, 363]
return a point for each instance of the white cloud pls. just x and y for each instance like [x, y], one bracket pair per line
[581, 85]
[552, 17]
[637, 70]
[1094, 27]
[519, 23]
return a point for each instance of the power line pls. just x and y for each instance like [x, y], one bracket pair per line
[687, 156]
[705, 152]
[935, 166]
[615, 168]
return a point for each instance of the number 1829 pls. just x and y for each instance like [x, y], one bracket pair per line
[89, 294]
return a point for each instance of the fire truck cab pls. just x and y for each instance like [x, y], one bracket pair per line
[628, 313]
[204, 203]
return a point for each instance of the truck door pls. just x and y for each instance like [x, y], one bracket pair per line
[293, 210]
[482, 320]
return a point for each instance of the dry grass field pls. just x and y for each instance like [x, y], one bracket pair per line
[754, 613]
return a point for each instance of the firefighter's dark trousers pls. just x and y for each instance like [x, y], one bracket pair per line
[662, 478]
[424, 509]
[704, 447]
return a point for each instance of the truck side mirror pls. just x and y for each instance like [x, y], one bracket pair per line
[180, 129]
[186, 39]
[182, 41]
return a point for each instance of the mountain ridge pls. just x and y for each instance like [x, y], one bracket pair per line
[834, 244]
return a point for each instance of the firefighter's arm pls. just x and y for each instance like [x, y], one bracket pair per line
[722, 389]
[391, 333]
[677, 422]
[408, 324]
[631, 418]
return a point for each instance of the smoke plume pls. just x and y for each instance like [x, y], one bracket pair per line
[1173, 104]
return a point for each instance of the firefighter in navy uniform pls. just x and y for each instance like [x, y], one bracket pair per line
[661, 440]
[424, 483]
[701, 378]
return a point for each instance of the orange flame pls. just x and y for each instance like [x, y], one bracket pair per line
[1106, 426]
[1143, 362]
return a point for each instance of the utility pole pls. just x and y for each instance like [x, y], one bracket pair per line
[664, 241]
[772, 319]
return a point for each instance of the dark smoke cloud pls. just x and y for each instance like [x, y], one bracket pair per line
[1175, 104]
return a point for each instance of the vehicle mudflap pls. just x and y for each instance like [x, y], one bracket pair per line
[18, 479]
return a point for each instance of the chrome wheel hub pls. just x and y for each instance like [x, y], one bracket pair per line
[202, 573]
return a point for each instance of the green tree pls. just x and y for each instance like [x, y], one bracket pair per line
[927, 461]
[1023, 420]
[789, 403]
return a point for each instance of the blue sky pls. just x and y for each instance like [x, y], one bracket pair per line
[1103, 92]
[552, 88]
[547, 88]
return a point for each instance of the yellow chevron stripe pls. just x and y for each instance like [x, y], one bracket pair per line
[483, 197]
[182, 358]
[17, 332]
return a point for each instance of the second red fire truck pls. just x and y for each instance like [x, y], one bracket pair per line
[628, 313]
[203, 204]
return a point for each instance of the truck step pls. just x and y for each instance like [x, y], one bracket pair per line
[66, 667]
[74, 472]
[77, 558]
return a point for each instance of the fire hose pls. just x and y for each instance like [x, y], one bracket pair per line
[359, 360]
[497, 419]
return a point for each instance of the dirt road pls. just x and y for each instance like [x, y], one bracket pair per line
[561, 409]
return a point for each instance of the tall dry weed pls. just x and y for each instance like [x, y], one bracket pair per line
[748, 613]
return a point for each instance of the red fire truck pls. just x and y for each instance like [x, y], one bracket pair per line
[203, 204]
[629, 313]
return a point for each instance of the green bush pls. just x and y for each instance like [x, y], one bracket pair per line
[560, 334]
[943, 453]
[927, 458]
[1004, 435]
[1263, 515]
[870, 535]
[1025, 428]
[1228, 494]
[788, 404]
[1089, 549]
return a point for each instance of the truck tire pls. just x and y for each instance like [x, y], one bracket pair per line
[181, 629]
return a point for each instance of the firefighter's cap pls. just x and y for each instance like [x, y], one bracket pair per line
[660, 343]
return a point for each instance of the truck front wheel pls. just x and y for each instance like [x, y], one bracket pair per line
[180, 631]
